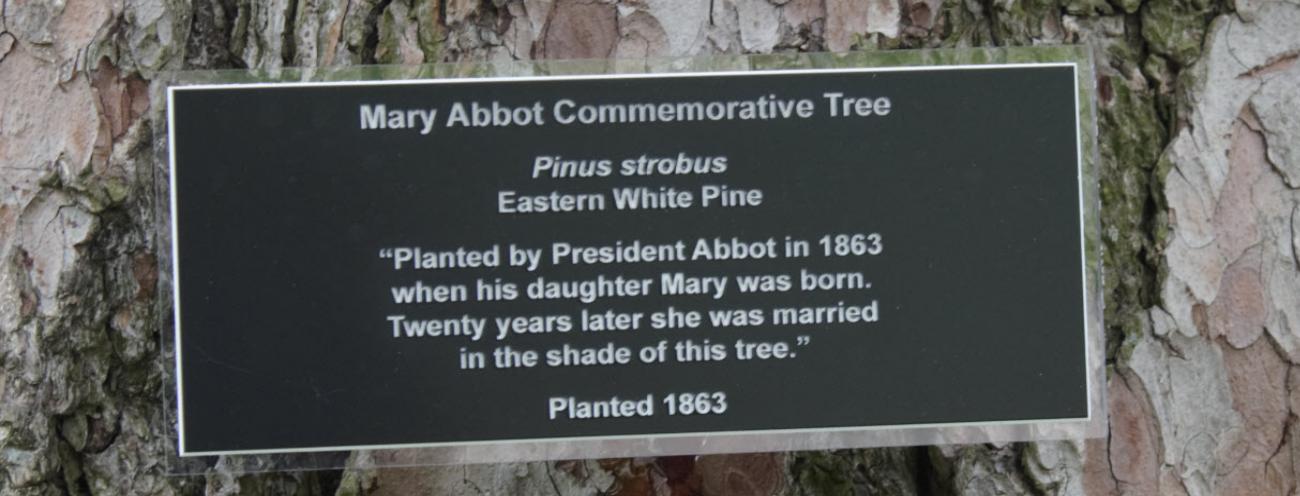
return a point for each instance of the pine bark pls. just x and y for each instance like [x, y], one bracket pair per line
[1200, 148]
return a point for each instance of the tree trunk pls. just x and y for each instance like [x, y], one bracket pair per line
[1200, 145]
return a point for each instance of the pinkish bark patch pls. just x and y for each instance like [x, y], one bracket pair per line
[580, 29]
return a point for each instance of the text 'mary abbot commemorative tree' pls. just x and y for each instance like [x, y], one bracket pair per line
[418, 263]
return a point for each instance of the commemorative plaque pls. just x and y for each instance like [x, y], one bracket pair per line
[374, 264]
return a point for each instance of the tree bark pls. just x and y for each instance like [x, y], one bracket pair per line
[1200, 147]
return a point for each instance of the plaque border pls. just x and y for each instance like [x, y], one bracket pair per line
[700, 442]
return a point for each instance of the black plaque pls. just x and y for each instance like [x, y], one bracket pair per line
[936, 210]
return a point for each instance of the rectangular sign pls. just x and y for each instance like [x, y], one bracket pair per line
[420, 263]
